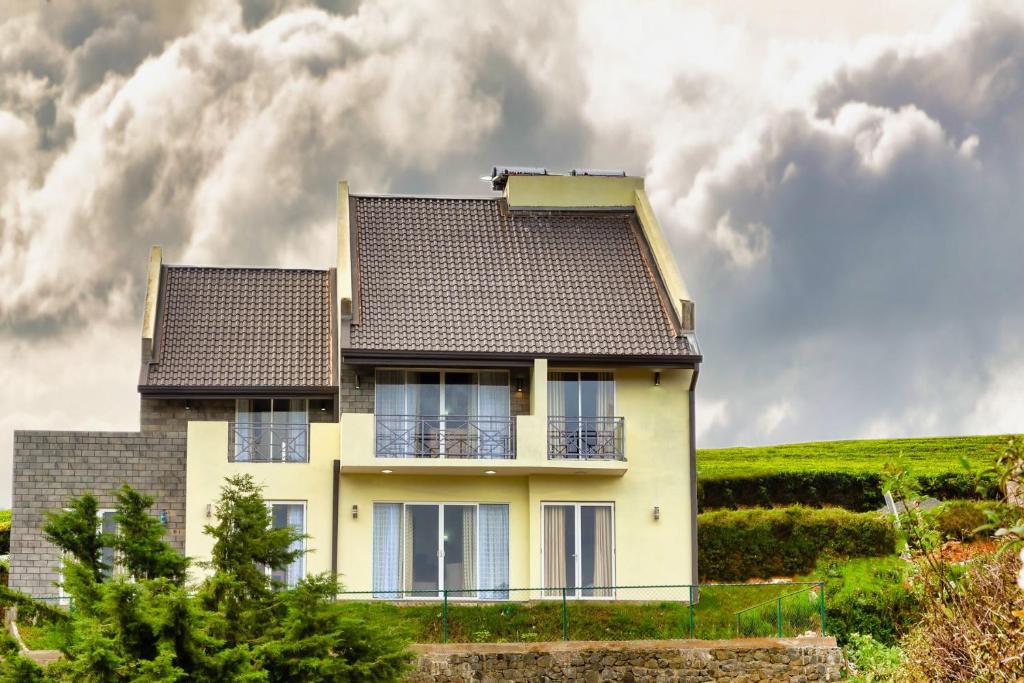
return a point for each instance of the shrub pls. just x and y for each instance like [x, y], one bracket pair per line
[870, 597]
[856, 491]
[5, 532]
[875, 661]
[959, 520]
[976, 634]
[757, 543]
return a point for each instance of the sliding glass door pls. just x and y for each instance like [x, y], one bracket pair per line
[578, 549]
[443, 414]
[420, 549]
[582, 419]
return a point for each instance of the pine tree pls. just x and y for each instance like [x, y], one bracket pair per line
[139, 542]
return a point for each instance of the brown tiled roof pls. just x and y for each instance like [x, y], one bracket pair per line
[466, 275]
[242, 327]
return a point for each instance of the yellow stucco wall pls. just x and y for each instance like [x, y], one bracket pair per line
[647, 551]
[207, 466]
[571, 191]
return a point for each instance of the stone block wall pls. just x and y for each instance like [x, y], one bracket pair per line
[797, 660]
[51, 467]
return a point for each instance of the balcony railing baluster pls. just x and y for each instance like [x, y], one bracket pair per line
[586, 438]
[445, 436]
[263, 442]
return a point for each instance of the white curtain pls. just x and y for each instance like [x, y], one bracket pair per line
[602, 551]
[492, 547]
[387, 541]
[390, 397]
[555, 560]
[296, 520]
[494, 403]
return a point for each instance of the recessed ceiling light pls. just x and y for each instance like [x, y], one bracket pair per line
[490, 472]
[386, 471]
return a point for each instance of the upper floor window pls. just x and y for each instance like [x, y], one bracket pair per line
[581, 416]
[271, 430]
[443, 413]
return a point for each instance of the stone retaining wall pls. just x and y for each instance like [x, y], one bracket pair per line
[798, 660]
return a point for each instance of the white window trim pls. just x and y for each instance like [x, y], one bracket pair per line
[270, 503]
[578, 560]
[440, 548]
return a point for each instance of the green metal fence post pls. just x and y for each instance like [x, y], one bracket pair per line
[565, 617]
[821, 606]
[779, 617]
[691, 612]
[444, 617]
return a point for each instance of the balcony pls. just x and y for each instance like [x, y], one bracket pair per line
[268, 442]
[586, 438]
[447, 436]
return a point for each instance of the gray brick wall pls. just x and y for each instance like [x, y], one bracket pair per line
[354, 400]
[51, 467]
[171, 415]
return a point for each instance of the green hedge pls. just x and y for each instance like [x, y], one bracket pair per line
[736, 545]
[860, 492]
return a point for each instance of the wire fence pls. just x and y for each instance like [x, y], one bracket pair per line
[652, 612]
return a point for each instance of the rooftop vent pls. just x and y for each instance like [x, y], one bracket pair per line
[598, 171]
[500, 174]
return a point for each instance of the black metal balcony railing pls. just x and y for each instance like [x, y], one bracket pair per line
[587, 438]
[448, 436]
[263, 442]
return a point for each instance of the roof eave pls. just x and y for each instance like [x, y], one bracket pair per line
[506, 359]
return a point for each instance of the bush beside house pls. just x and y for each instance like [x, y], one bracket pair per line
[758, 543]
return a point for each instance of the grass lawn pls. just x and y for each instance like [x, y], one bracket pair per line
[714, 616]
[924, 456]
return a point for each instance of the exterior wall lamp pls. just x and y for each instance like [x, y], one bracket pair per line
[519, 384]
[359, 385]
[657, 378]
[657, 513]
[188, 404]
[355, 512]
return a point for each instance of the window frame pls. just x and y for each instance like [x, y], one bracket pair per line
[302, 558]
[116, 570]
[579, 383]
[577, 593]
[271, 424]
[467, 594]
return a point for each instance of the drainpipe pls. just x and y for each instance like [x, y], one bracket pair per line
[693, 480]
[336, 481]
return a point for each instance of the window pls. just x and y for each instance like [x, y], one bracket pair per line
[271, 430]
[287, 514]
[106, 522]
[443, 413]
[582, 420]
[578, 550]
[420, 549]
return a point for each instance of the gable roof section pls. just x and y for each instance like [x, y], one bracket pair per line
[226, 330]
[468, 276]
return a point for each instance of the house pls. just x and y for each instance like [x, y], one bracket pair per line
[487, 394]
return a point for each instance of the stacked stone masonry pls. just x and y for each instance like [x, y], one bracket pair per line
[800, 660]
[51, 467]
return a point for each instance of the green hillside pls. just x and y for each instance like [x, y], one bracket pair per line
[925, 456]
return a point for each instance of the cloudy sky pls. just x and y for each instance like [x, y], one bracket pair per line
[843, 188]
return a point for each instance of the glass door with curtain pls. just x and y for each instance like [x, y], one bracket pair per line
[581, 406]
[425, 405]
[421, 549]
[443, 413]
[578, 549]
[460, 409]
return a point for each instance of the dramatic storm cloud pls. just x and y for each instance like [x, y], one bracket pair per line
[844, 197]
